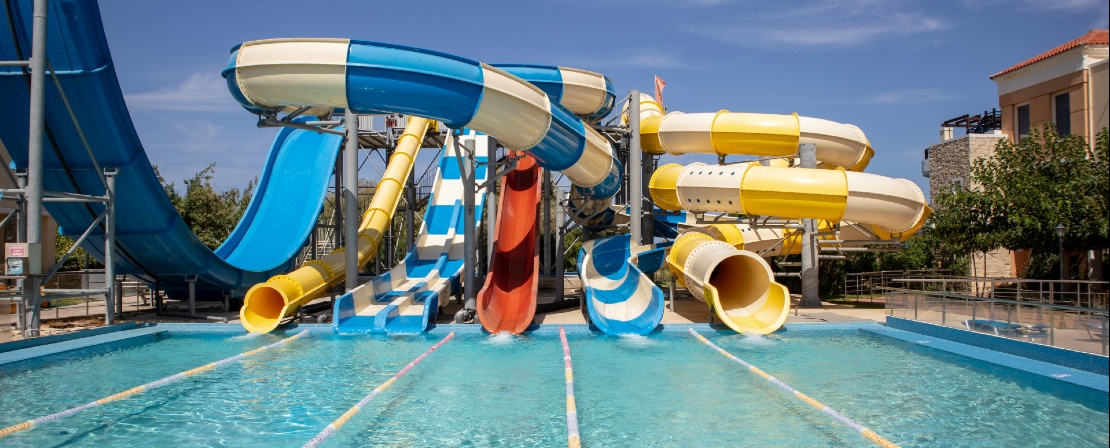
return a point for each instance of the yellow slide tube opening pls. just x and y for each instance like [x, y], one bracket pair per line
[266, 304]
[744, 296]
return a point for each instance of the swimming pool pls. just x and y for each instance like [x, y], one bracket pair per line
[667, 389]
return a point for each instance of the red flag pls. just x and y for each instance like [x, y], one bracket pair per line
[659, 85]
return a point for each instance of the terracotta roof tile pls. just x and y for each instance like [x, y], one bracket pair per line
[1093, 37]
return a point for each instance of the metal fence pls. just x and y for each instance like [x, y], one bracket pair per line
[1067, 314]
[133, 295]
[868, 285]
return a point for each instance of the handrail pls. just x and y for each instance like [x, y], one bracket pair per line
[949, 295]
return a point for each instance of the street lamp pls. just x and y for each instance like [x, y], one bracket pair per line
[1060, 230]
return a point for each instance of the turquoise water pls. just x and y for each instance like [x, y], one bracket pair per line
[663, 390]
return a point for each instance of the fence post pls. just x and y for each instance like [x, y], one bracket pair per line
[943, 303]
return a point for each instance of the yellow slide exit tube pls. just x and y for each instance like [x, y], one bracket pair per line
[737, 284]
[266, 304]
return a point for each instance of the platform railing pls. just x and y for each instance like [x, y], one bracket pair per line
[868, 285]
[1067, 314]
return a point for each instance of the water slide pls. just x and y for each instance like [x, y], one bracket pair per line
[738, 283]
[407, 298]
[507, 301]
[375, 78]
[153, 242]
[267, 304]
[621, 298]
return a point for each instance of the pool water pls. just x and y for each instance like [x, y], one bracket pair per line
[667, 389]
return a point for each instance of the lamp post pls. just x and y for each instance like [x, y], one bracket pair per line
[1060, 230]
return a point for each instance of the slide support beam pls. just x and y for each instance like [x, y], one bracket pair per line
[807, 152]
[350, 201]
[635, 172]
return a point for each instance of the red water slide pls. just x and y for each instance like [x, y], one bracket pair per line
[507, 302]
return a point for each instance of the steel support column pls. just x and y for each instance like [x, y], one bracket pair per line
[810, 288]
[546, 262]
[635, 171]
[350, 201]
[470, 288]
[110, 247]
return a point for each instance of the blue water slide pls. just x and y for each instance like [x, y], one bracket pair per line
[153, 241]
[407, 298]
[388, 78]
[550, 79]
[620, 296]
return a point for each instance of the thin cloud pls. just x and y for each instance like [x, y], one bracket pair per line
[639, 58]
[662, 3]
[1070, 6]
[825, 24]
[200, 92]
[911, 96]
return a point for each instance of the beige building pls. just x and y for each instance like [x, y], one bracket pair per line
[1066, 86]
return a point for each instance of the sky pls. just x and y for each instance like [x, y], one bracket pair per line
[895, 68]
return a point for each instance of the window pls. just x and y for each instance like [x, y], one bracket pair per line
[1062, 104]
[1022, 121]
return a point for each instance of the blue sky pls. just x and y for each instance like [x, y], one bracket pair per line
[895, 68]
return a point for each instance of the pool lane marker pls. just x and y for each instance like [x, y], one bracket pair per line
[139, 389]
[869, 434]
[573, 439]
[335, 425]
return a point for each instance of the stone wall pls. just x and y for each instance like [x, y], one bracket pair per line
[950, 161]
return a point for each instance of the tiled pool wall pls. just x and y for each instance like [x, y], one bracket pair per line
[1089, 362]
[44, 340]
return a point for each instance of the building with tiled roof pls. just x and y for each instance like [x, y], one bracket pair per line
[1066, 86]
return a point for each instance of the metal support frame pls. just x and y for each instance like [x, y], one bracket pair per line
[410, 210]
[110, 247]
[811, 298]
[491, 207]
[560, 243]
[467, 171]
[31, 195]
[350, 201]
[192, 281]
[635, 172]
[548, 251]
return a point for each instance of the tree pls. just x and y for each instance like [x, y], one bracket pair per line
[211, 214]
[1019, 196]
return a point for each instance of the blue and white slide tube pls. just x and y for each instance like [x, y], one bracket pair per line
[379, 78]
[620, 296]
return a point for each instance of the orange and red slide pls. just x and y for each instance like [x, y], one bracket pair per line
[507, 301]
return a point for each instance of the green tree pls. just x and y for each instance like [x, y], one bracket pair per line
[1021, 194]
[210, 213]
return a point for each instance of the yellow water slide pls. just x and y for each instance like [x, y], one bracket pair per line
[737, 284]
[713, 263]
[266, 304]
[735, 133]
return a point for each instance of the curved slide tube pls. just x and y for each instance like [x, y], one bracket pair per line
[587, 94]
[375, 78]
[620, 297]
[736, 284]
[507, 302]
[406, 299]
[772, 241]
[266, 304]
[153, 242]
[893, 207]
[729, 133]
